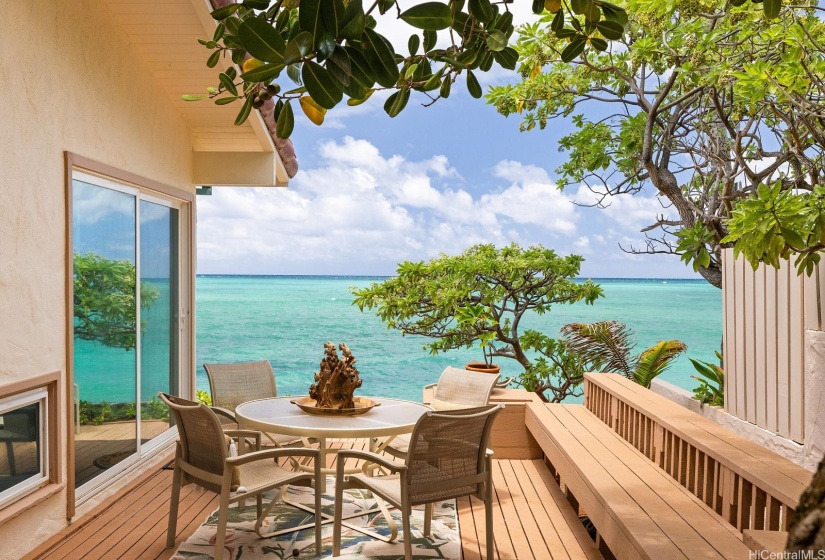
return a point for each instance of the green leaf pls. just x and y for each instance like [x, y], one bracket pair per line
[320, 85]
[294, 73]
[213, 59]
[286, 122]
[610, 29]
[508, 58]
[309, 16]
[430, 16]
[339, 66]
[445, 87]
[580, 6]
[357, 101]
[361, 73]
[598, 44]
[256, 4]
[324, 46]
[193, 97]
[472, 85]
[299, 47]
[558, 21]
[227, 83]
[380, 55]
[219, 31]
[225, 12]
[413, 43]
[574, 49]
[244, 112]
[430, 37]
[354, 21]
[772, 8]
[396, 102]
[333, 13]
[261, 40]
[538, 6]
[482, 10]
[496, 41]
[263, 73]
[226, 100]
[614, 13]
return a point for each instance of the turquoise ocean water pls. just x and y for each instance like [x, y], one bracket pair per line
[287, 319]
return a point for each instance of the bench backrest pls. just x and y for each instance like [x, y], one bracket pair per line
[747, 484]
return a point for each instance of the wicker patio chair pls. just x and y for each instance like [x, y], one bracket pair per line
[448, 458]
[201, 458]
[236, 383]
[456, 389]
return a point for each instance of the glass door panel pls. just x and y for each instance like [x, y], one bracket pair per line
[158, 315]
[105, 329]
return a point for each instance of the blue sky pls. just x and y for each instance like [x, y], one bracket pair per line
[373, 191]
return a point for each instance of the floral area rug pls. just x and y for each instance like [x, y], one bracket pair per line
[243, 544]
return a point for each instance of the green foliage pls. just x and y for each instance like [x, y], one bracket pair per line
[104, 300]
[100, 412]
[480, 297]
[697, 102]
[606, 345]
[203, 397]
[711, 387]
[331, 49]
[777, 223]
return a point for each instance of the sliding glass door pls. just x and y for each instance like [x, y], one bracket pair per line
[126, 323]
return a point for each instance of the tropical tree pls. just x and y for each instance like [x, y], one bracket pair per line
[698, 102]
[332, 48]
[481, 297]
[607, 346]
[104, 300]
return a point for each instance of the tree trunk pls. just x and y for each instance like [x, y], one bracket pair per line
[806, 530]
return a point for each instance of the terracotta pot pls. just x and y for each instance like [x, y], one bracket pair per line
[482, 367]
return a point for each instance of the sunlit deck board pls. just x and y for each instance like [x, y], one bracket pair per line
[532, 519]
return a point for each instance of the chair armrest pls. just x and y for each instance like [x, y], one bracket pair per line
[273, 454]
[245, 435]
[224, 412]
[372, 458]
[430, 386]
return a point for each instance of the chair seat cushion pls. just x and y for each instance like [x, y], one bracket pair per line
[438, 405]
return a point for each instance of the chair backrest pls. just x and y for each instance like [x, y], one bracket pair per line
[459, 388]
[233, 384]
[201, 438]
[447, 453]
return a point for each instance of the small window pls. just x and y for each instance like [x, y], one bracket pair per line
[23, 454]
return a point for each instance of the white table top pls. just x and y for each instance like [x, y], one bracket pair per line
[279, 415]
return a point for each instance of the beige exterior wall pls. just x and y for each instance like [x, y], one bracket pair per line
[71, 82]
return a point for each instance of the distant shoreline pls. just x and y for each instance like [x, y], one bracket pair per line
[373, 277]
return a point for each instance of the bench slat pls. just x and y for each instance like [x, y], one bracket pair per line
[704, 532]
[658, 517]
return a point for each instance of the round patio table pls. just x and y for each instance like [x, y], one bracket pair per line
[278, 415]
[379, 425]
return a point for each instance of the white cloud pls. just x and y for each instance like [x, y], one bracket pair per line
[363, 211]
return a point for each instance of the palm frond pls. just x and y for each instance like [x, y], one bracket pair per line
[656, 359]
[605, 344]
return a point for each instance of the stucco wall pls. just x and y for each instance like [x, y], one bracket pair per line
[70, 81]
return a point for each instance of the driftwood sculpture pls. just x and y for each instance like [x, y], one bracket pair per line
[337, 379]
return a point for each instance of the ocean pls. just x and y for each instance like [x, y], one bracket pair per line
[287, 320]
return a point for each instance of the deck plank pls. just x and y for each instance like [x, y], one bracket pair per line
[532, 520]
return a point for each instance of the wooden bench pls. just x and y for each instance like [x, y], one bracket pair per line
[747, 484]
[638, 509]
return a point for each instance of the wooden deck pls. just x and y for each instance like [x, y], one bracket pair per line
[533, 520]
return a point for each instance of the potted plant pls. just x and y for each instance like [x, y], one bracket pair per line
[475, 316]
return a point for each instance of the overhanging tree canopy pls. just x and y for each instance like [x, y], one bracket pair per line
[699, 102]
